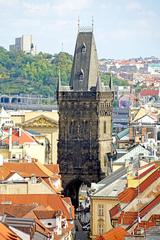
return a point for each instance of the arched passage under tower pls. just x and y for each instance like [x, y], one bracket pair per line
[72, 190]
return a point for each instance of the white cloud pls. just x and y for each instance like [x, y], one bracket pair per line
[133, 5]
[34, 9]
[68, 6]
[136, 7]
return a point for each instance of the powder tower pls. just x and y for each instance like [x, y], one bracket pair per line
[85, 118]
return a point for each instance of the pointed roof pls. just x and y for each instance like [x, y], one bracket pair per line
[18, 136]
[41, 120]
[4, 114]
[59, 82]
[111, 82]
[86, 60]
[98, 85]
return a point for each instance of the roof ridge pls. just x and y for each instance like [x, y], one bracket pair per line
[43, 169]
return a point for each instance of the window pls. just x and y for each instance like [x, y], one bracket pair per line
[104, 127]
[158, 136]
[100, 226]
[83, 49]
[114, 222]
[49, 224]
[100, 210]
[105, 161]
[157, 222]
[71, 128]
[81, 75]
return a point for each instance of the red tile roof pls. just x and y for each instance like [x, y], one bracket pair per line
[149, 92]
[114, 210]
[18, 137]
[148, 181]
[7, 234]
[145, 172]
[149, 206]
[127, 218]
[16, 210]
[53, 168]
[4, 172]
[28, 169]
[55, 201]
[46, 214]
[117, 233]
[130, 193]
[127, 195]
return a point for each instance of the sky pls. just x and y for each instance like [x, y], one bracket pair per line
[122, 28]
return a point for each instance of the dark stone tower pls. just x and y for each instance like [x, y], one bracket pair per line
[85, 118]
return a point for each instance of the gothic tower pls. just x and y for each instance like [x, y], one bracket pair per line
[85, 117]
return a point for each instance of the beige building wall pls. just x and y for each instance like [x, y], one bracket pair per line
[5, 153]
[36, 151]
[17, 119]
[100, 219]
[105, 140]
[25, 188]
[32, 150]
[50, 131]
[52, 115]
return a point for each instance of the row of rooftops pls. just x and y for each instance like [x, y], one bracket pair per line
[138, 204]
[43, 212]
[28, 210]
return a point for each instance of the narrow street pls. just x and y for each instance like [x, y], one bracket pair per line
[80, 234]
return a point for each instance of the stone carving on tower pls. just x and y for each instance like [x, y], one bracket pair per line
[85, 117]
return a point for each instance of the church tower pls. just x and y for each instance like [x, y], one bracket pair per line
[85, 117]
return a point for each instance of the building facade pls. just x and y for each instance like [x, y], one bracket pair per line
[85, 118]
[24, 43]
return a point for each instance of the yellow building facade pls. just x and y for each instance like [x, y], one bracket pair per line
[45, 123]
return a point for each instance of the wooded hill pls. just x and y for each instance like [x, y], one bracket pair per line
[28, 74]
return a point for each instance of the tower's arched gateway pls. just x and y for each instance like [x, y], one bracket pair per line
[85, 120]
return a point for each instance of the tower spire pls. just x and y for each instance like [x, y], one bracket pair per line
[59, 81]
[110, 82]
[98, 85]
[92, 23]
[78, 23]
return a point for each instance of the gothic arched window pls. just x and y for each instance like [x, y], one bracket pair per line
[81, 75]
[83, 48]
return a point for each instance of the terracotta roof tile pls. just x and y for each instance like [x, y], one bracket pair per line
[117, 233]
[53, 168]
[55, 201]
[149, 92]
[28, 169]
[127, 218]
[18, 137]
[114, 210]
[130, 193]
[4, 172]
[7, 234]
[44, 169]
[127, 195]
[46, 214]
[16, 210]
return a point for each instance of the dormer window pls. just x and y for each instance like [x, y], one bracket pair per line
[83, 49]
[81, 75]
